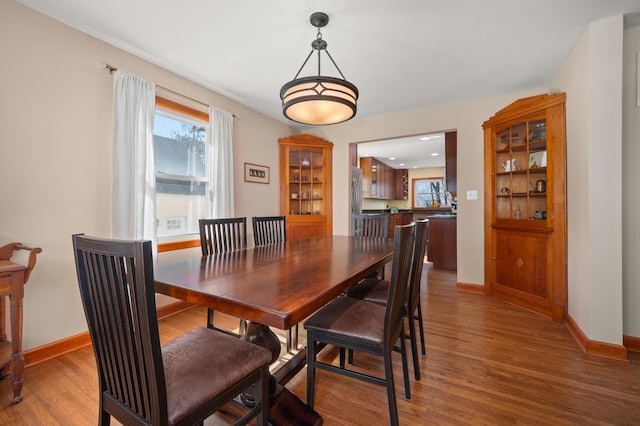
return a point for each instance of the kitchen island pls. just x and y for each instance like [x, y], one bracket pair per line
[442, 248]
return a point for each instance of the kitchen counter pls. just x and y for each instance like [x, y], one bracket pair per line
[442, 249]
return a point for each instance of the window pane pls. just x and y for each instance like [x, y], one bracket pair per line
[430, 192]
[181, 173]
[179, 146]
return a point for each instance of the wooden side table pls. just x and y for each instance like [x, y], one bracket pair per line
[13, 277]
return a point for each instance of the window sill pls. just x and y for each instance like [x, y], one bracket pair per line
[177, 245]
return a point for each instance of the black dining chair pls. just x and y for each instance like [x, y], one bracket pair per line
[371, 226]
[269, 229]
[273, 230]
[140, 381]
[360, 325]
[375, 290]
[221, 236]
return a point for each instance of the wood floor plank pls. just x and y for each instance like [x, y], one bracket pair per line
[487, 363]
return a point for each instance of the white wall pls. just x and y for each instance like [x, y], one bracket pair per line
[55, 154]
[631, 184]
[592, 79]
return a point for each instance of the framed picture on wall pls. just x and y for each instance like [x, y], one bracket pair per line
[256, 173]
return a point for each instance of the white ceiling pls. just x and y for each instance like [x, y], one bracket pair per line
[412, 152]
[402, 56]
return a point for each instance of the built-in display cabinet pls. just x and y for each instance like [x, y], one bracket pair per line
[305, 185]
[525, 214]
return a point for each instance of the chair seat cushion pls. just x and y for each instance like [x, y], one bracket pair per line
[371, 289]
[201, 364]
[352, 318]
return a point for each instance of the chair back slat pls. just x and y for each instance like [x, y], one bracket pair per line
[403, 247]
[269, 230]
[422, 239]
[222, 235]
[370, 225]
[117, 290]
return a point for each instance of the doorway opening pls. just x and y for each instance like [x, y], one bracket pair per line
[383, 177]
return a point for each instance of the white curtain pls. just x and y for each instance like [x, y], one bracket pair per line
[221, 162]
[133, 214]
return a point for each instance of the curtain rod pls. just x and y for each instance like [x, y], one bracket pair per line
[113, 69]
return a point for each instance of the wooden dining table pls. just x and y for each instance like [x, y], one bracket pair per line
[277, 285]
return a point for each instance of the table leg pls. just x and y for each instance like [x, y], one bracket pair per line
[261, 335]
[285, 407]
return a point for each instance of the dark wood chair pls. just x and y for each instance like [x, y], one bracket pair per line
[273, 230]
[141, 382]
[360, 325]
[375, 290]
[222, 236]
[371, 226]
[269, 229]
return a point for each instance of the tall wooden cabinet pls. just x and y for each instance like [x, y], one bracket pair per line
[382, 181]
[402, 184]
[305, 185]
[451, 161]
[525, 213]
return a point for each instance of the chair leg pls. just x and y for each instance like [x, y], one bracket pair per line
[405, 365]
[421, 327]
[292, 339]
[104, 418]
[262, 395]
[414, 346]
[209, 318]
[243, 326]
[311, 368]
[391, 393]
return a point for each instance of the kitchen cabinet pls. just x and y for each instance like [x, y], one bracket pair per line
[369, 178]
[389, 184]
[451, 169]
[380, 181]
[305, 185]
[525, 211]
[402, 184]
[442, 249]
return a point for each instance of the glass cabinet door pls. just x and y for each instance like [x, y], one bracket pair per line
[305, 180]
[521, 171]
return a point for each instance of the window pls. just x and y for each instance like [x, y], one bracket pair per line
[430, 192]
[182, 180]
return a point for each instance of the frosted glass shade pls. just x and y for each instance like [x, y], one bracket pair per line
[319, 100]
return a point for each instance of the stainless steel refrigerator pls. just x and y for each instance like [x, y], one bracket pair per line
[356, 190]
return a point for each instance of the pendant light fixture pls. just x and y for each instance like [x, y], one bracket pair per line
[319, 100]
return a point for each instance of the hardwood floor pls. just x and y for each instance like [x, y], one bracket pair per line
[487, 363]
